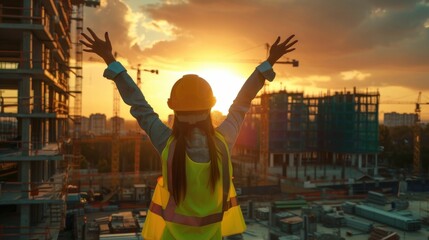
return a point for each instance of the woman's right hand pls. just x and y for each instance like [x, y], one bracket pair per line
[98, 46]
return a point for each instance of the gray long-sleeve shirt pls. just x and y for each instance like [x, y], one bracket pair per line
[159, 133]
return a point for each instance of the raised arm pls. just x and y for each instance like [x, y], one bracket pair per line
[148, 120]
[231, 126]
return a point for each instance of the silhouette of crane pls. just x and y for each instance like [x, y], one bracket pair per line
[116, 126]
[417, 137]
[417, 171]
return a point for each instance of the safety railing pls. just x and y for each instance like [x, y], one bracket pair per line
[32, 148]
[35, 15]
[39, 16]
[17, 60]
[11, 14]
[52, 190]
[12, 232]
[36, 105]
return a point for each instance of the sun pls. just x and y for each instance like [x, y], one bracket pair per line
[225, 84]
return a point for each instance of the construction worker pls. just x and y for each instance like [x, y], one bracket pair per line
[195, 197]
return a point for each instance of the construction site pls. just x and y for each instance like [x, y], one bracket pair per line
[305, 166]
[41, 90]
[300, 134]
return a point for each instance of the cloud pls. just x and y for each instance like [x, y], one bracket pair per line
[374, 36]
[354, 75]
[316, 78]
[115, 17]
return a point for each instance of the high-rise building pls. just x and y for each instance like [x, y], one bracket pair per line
[84, 125]
[35, 45]
[294, 129]
[97, 123]
[119, 122]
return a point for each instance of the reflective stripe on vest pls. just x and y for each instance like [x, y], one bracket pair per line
[169, 214]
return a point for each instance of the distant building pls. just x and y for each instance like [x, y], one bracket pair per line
[119, 123]
[395, 119]
[84, 125]
[97, 123]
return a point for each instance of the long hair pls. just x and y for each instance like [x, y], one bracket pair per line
[180, 131]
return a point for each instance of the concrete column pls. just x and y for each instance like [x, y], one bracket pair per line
[284, 165]
[37, 87]
[306, 156]
[291, 160]
[37, 53]
[46, 138]
[359, 161]
[334, 159]
[24, 221]
[366, 161]
[46, 172]
[376, 164]
[271, 159]
[27, 10]
[51, 99]
[319, 159]
[24, 101]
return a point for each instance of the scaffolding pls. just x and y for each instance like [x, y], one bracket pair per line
[295, 130]
[34, 112]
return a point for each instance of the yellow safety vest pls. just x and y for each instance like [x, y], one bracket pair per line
[201, 214]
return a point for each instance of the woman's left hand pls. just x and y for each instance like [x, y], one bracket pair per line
[98, 46]
[277, 49]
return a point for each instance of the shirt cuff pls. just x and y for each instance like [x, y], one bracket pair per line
[267, 71]
[113, 70]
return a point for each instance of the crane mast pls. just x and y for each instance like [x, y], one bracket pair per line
[417, 132]
[77, 89]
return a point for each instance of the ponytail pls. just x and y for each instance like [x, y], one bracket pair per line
[180, 132]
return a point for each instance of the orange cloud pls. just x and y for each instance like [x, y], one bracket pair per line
[387, 39]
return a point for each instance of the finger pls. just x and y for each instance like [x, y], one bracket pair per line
[288, 39]
[291, 44]
[93, 34]
[277, 41]
[86, 44]
[87, 50]
[290, 50]
[106, 37]
[87, 38]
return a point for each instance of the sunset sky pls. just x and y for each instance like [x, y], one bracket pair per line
[371, 44]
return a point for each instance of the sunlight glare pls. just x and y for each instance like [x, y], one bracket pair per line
[225, 84]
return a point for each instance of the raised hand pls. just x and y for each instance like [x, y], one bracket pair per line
[98, 46]
[278, 50]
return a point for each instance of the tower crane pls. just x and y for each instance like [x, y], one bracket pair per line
[417, 171]
[137, 143]
[417, 135]
[77, 91]
[115, 132]
[116, 127]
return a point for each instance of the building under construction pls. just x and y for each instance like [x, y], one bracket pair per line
[35, 73]
[288, 130]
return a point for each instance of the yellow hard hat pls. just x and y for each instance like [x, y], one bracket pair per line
[191, 93]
